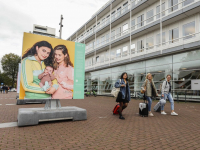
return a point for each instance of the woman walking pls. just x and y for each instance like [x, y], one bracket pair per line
[124, 95]
[150, 91]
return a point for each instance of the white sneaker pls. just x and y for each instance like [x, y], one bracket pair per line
[174, 114]
[151, 115]
[163, 113]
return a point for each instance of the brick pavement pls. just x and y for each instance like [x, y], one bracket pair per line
[102, 130]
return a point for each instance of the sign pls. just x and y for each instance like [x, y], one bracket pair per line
[51, 68]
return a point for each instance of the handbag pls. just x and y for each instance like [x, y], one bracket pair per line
[142, 91]
[115, 91]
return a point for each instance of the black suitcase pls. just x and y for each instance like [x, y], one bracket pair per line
[143, 109]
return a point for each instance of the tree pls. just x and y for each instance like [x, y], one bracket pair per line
[9, 64]
[5, 79]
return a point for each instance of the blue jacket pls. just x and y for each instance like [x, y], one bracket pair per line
[123, 89]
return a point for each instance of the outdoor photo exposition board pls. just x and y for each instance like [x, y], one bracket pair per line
[51, 68]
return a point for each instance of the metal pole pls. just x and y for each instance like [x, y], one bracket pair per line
[61, 18]
[161, 26]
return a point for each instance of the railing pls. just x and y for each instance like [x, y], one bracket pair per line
[149, 20]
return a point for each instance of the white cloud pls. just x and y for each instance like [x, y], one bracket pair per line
[19, 16]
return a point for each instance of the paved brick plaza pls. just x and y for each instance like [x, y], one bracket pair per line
[103, 130]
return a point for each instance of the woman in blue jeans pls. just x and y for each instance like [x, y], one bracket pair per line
[166, 93]
[150, 91]
[123, 97]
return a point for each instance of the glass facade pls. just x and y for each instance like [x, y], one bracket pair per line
[183, 67]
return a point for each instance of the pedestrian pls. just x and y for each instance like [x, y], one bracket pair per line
[124, 95]
[149, 91]
[166, 93]
[7, 88]
[3, 88]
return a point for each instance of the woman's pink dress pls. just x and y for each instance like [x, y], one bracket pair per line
[65, 78]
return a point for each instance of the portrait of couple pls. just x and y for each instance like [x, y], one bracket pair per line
[47, 72]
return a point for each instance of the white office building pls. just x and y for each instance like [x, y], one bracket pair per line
[44, 30]
[140, 37]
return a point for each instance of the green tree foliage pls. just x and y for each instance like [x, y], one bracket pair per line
[9, 64]
[5, 79]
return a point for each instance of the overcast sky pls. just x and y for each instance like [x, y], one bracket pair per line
[18, 16]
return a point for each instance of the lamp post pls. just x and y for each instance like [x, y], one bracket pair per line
[61, 26]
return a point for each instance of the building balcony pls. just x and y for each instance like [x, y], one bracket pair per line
[183, 43]
[146, 26]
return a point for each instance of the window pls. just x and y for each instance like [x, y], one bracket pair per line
[125, 7]
[113, 35]
[112, 55]
[107, 37]
[107, 56]
[133, 2]
[91, 31]
[102, 40]
[102, 58]
[113, 15]
[108, 19]
[133, 48]
[187, 2]
[158, 39]
[119, 11]
[98, 42]
[98, 26]
[118, 53]
[118, 32]
[125, 51]
[93, 44]
[150, 16]
[140, 20]
[173, 35]
[189, 30]
[133, 24]
[173, 5]
[140, 46]
[125, 28]
[149, 43]
[158, 11]
[103, 22]
[97, 59]
[94, 28]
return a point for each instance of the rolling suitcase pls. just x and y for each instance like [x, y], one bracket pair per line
[143, 109]
[157, 107]
[115, 109]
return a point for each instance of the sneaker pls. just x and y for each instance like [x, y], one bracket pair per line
[121, 117]
[151, 115]
[174, 114]
[163, 113]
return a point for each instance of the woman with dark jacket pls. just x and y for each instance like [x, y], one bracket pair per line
[124, 95]
[150, 91]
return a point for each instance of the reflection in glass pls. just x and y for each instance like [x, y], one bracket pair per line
[187, 2]
[173, 35]
[149, 16]
[140, 46]
[149, 43]
[140, 20]
[189, 30]
[173, 5]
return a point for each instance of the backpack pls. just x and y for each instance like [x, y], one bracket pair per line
[160, 90]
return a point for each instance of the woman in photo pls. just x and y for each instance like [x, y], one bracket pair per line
[123, 97]
[64, 73]
[33, 63]
[150, 91]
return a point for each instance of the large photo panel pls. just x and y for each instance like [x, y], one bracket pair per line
[51, 68]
